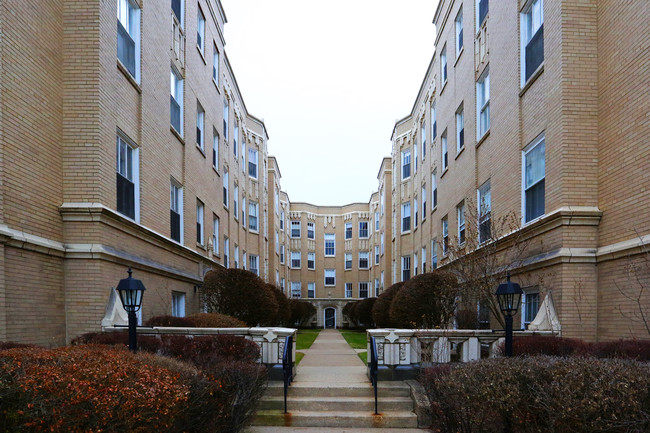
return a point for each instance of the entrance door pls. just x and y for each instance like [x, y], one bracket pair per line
[330, 318]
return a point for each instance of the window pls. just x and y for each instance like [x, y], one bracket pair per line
[434, 121]
[199, 222]
[253, 216]
[282, 221]
[423, 138]
[177, 8]
[382, 243]
[215, 234]
[415, 158]
[406, 164]
[406, 268]
[235, 136]
[243, 152]
[443, 66]
[311, 261]
[235, 205]
[348, 230]
[282, 254]
[311, 290]
[530, 307]
[128, 37]
[226, 251]
[243, 261]
[330, 245]
[434, 254]
[311, 231]
[364, 259]
[127, 179]
[226, 112]
[330, 277]
[215, 66]
[376, 254]
[215, 149]
[482, 6]
[176, 101]
[376, 221]
[445, 154]
[459, 31]
[296, 289]
[363, 289]
[376, 287]
[348, 290]
[178, 304]
[532, 38]
[243, 210]
[277, 203]
[406, 217]
[415, 264]
[277, 279]
[295, 259]
[424, 259]
[363, 229]
[415, 212]
[534, 172]
[434, 191]
[295, 229]
[277, 242]
[252, 163]
[483, 104]
[176, 211]
[236, 256]
[254, 264]
[445, 236]
[200, 32]
[348, 261]
[484, 212]
[460, 129]
[424, 202]
[282, 284]
[460, 213]
[225, 188]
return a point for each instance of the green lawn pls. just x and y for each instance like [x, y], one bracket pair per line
[356, 339]
[305, 338]
[299, 356]
[364, 357]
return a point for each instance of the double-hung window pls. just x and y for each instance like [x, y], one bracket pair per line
[424, 259]
[296, 290]
[482, 7]
[530, 307]
[311, 261]
[434, 122]
[415, 158]
[243, 210]
[176, 211]
[424, 202]
[127, 175]
[376, 221]
[226, 251]
[235, 136]
[406, 164]
[363, 229]
[295, 259]
[348, 230]
[215, 149]
[128, 36]
[534, 173]
[443, 66]
[253, 216]
[200, 32]
[415, 213]
[348, 261]
[215, 66]
[199, 222]
[423, 138]
[254, 264]
[406, 268]
[226, 114]
[330, 244]
[295, 229]
[364, 259]
[434, 254]
[311, 227]
[330, 277]
[311, 290]
[252, 162]
[225, 187]
[348, 290]
[445, 236]
[460, 129]
[459, 31]
[178, 304]
[532, 38]
[483, 104]
[363, 289]
[406, 217]
[434, 191]
[381, 242]
[282, 254]
[376, 287]
[415, 264]
[176, 101]
[443, 147]
[236, 256]
[376, 254]
[215, 235]
[235, 203]
[282, 221]
[460, 214]
[484, 212]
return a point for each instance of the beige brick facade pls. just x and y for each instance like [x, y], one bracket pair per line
[66, 100]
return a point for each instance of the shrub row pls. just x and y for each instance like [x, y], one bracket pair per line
[568, 347]
[301, 313]
[90, 388]
[200, 320]
[359, 313]
[540, 394]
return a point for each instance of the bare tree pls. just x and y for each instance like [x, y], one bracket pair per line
[636, 289]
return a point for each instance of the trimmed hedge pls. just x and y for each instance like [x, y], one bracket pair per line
[301, 312]
[381, 308]
[540, 394]
[215, 320]
[359, 312]
[100, 388]
[568, 347]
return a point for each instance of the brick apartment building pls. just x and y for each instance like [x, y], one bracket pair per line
[126, 142]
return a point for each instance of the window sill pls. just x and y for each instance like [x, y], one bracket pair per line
[255, 232]
[201, 54]
[216, 85]
[408, 232]
[460, 53]
[483, 138]
[226, 208]
[443, 87]
[201, 150]
[532, 79]
[177, 135]
[201, 246]
[435, 208]
[128, 76]
[216, 171]
[444, 172]
[459, 152]
[533, 221]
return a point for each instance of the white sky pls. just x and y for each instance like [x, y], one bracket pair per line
[329, 78]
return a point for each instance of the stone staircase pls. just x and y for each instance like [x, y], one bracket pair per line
[341, 405]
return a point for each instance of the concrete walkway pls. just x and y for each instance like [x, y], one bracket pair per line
[330, 380]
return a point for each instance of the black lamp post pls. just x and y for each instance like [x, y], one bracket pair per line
[509, 297]
[131, 291]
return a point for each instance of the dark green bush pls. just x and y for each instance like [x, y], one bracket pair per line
[172, 321]
[283, 318]
[381, 308]
[215, 320]
[301, 312]
[540, 394]
[363, 312]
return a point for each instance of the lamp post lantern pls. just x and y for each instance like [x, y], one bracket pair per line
[131, 291]
[509, 297]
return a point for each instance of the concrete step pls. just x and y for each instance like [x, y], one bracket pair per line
[324, 389]
[336, 404]
[356, 419]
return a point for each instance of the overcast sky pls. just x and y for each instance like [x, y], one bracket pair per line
[329, 78]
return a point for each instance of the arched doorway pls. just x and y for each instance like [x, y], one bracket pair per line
[330, 318]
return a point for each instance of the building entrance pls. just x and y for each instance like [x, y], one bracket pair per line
[330, 318]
